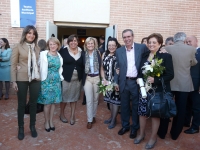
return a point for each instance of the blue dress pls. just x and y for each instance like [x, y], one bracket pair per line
[51, 87]
[5, 64]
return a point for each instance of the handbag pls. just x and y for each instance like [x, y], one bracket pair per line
[161, 104]
[40, 108]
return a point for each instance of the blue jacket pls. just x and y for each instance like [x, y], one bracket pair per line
[5, 56]
[195, 71]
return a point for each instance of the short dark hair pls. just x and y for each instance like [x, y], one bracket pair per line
[102, 37]
[26, 31]
[158, 36]
[42, 44]
[169, 39]
[71, 38]
[128, 30]
[145, 38]
[7, 43]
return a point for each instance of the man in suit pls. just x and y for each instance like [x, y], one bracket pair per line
[183, 57]
[128, 59]
[193, 103]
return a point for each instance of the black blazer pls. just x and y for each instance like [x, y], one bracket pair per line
[69, 63]
[195, 71]
[167, 75]
[100, 63]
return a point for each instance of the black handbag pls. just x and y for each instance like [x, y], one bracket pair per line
[161, 104]
[40, 108]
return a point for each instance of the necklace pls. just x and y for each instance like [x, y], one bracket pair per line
[53, 54]
[73, 51]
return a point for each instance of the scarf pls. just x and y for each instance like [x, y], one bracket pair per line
[33, 72]
[95, 62]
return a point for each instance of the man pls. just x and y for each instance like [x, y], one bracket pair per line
[128, 59]
[183, 57]
[169, 41]
[193, 103]
[101, 44]
[65, 42]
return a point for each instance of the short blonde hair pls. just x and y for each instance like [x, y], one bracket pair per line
[55, 40]
[88, 40]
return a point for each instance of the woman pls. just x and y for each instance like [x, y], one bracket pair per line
[154, 41]
[5, 54]
[144, 41]
[42, 45]
[72, 72]
[25, 75]
[91, 78]
[107, 73]
[51, 75]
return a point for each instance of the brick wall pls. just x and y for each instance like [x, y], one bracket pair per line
[44, 13]
[147, 16]
[143, 16]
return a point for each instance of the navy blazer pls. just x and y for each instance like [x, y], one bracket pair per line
[121, 60]
[167, 75]
[100, 63]
[195, 71]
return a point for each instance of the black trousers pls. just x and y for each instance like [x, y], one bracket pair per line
[178, 120]
[34, 89]
[193, 109]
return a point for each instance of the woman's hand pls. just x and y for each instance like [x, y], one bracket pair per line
[117, 71]
[14, 84]
[150, 80]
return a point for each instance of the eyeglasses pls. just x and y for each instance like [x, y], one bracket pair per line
[111, 45]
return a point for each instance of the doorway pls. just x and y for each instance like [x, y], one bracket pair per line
[82, 32]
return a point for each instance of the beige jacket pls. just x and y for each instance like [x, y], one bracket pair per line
[20, 58]
[183, 57]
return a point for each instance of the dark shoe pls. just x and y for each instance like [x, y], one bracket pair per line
[133, 134]
[33, 131]
[191, 131]
[112, 125]
[150, 146]
[107, 121]
[52, 128]
[6, 97]
[72, 122]
[64, 121]
[48, 130]
[94, 120]
[122, 131]
[137, 141]
[21, 133]
[89, 125]
[186, 125]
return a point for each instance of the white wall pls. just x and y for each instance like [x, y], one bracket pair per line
[87, 11]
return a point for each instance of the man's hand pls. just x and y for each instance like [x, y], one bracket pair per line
[150, 79]
[163, 50]
[116, 87]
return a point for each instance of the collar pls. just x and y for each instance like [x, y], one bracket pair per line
[130, 49]
[197, 48]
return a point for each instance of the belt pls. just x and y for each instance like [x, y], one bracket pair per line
[131, 78]
[93, 75]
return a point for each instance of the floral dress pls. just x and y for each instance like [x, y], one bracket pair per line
[51, 86]
[109, 62]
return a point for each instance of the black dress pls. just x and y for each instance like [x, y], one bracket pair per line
[167, 76]
[109, 66]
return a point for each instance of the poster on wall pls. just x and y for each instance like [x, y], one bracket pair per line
[23, 13]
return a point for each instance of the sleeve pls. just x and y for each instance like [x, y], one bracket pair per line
[168, 74]
[7, 57]
[193, 61]
[116, 76]
[14, 62]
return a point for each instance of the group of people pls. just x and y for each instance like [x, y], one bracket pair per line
[55, 75]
